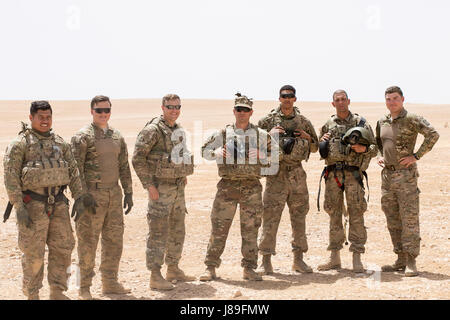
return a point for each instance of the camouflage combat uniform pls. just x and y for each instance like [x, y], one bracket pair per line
[396, 138]
[288, 185]
[102, 159]
[349, 179]
[152, 162]
[239, 184]
[38, 165]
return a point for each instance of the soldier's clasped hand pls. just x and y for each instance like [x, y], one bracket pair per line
[359, 148]
[325, 137]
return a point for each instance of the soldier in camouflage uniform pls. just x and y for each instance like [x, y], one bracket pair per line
[162, 162]
[343, 173]
[396, 139]
[38, 166]
[240, 172]
[289, 184]
[102, 157]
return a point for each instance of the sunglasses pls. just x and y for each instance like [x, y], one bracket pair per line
[242, 109]
[102, 110]
[287, 95]
[178, 107]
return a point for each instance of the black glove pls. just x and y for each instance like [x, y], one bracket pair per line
[89, 203]
[23, 217]
[78, 208]
[128, 201]
[85, 202]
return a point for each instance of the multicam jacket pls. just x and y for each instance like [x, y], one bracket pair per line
[291, 122]
[87, 157]
[407, 126]
[337, 127]
[154, 146]
[31, 151]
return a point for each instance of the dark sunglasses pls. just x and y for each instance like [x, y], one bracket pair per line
[287, 95]
[178, 107]
[242, 109]
[102, 110]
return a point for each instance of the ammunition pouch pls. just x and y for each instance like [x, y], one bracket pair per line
[163, 167]
[42, 174]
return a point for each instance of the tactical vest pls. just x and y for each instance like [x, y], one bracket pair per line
[161, 163]
[44, 163]
[237, 170]
[337, 152]
[301, 149]
[101, 164]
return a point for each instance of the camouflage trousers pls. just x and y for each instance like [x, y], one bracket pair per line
[356, 206]
[107, 222]
[288, 186]
[57, 233]
[400, 204]
[230, 193]
[165, 219]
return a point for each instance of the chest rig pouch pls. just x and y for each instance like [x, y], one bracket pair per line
[294, 148]
[170, 163]
[239, 165]
[44, 164]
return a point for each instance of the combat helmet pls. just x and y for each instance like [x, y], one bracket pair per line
[357, 135]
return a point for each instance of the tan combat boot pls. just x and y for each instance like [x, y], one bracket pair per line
[399, 264]
[333, 263]
[114, 287]
[300, 265]
[157, 282]
[250, 274]
[209, 274]
[266, 264]
[57, 294]
[357, 264]
[84, 294]
[175, 273]
[411, 269]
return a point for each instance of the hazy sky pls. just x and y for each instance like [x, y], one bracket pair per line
[65, 49]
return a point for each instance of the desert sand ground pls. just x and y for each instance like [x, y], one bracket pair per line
[129, 116]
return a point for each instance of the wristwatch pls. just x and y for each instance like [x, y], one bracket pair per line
[415, 156]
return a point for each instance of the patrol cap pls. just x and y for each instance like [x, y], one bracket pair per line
[242, 101]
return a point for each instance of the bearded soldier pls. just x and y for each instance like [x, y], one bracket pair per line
[102, 157]
[162, 162]
[347, 144]
[238, 154]
[38, 166]
[297, 139]
[396, 138]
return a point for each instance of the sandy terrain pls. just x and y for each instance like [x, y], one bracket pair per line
[129, 116]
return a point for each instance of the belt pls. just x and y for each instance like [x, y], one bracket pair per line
[99, 185]
[289, 167]
[48, 199]
[394, 168]
[342, 166]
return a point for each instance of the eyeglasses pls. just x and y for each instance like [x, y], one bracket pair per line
[178, 107]
[242, 109]
[102, 110]
[287, 95]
